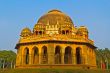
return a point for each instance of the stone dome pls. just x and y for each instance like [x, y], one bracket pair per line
[25, 32]
[55, 16]
[83, 29]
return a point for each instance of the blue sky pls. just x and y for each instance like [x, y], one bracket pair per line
[17, 14]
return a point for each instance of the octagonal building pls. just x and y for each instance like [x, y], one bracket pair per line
[55, 42]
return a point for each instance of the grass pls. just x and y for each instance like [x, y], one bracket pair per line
[33, 70]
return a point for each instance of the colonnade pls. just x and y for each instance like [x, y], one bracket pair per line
[57, 57]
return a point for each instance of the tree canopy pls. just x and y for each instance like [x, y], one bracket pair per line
[7, 55]
[102, 55]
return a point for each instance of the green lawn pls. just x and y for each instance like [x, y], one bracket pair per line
[53, 71]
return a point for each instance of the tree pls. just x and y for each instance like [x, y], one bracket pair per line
[103, 55]
[7, 58]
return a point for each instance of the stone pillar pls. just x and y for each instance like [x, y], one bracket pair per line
[51, 58]
[73, 55]
[18, 57]
[85, 57]
[23, 57]
[40, 56]
[94, 58]
[62, 58]
[62, 55]
[30, 59]
[65, 32]
[82, 59]
[91, 59]
[30, 56]
[74, 58]
[50, 51]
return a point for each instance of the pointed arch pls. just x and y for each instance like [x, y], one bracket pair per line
[44, 55]
[68, 55]
[63, 32]
[40, 32]
[26, 55]
[58, 55]
[67, 31]
[36, 32]
[78, 55]
[35, 56]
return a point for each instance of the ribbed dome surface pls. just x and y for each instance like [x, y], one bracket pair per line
[55, 16]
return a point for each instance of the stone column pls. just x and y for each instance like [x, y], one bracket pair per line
[51, 58]
[74, 58]
[73, 55]
[22, 57]
[40, 56]
[62, 55]
[30, 56]
[86, 61]
[62, 58]
[18, 57]
[51, 53]
[65, 32]
[94, 56]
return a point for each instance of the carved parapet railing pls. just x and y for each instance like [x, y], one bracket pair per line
[58, 37]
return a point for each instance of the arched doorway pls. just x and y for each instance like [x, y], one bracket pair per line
[58, 55]
[40, 32]
[36, 32]
[67, 31]
[44, 55]
[63, 32]
[35, 55]
[68, 55]
[78, 55]
[26, 56]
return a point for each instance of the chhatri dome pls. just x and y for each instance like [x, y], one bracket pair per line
[54, 42]
[25, 32]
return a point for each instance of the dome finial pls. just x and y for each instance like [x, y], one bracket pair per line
[54, 10]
